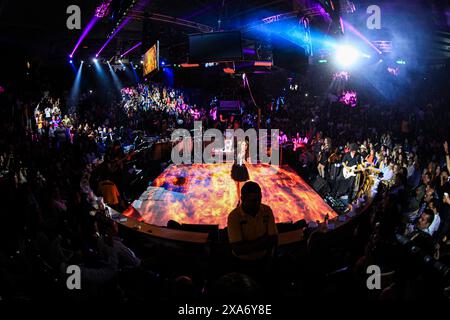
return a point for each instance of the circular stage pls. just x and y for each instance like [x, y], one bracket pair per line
[206, 194]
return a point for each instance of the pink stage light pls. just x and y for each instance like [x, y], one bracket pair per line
[349, 98]
[103, 9]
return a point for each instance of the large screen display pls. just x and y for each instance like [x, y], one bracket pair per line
[215, 46]
[151, 59]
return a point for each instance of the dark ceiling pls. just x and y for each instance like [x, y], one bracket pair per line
[36, 30]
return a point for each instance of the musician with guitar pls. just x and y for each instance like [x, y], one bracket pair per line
[351, 163]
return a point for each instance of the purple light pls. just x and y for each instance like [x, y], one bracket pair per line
[84, 34]
[124, 22]
[131, 49]
[353, 29]
[349, 98]
[103, 9]
[249, 51]
[213, 113]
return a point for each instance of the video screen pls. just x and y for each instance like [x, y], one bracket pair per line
[215, 46]
[151, 59]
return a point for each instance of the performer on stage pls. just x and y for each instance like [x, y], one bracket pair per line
[322, 159]
[239, 172]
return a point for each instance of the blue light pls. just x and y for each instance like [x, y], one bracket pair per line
[70, 61]
[400, 62]
[163, 63]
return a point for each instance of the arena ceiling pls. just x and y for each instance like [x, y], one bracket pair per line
[38, 29]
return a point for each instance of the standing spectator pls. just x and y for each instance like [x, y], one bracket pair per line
[252, 231]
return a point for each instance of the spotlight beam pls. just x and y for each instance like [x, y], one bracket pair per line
[115, 78]
[84, 34]
[75, 91]
[346, 55]
[122, 24]
[131, 49]
[356, 32]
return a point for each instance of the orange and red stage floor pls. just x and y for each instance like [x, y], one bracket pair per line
[205, 194]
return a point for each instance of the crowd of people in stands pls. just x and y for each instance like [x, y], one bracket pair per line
[54, 212]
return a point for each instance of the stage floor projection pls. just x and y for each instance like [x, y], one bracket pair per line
[205, 194]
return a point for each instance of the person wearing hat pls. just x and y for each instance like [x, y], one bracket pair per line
[350, 159]
[363, 151]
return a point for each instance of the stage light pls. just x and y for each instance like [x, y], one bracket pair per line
[131, 49]
[190, 65]
[120, 61]
[163, 63]
[114, 33]
[70, 61]
[84, 34]
[323, 61]
[346, 56]
[82, 61]
[95, 60]
[142, 62]
[75, 91]
[400, 62]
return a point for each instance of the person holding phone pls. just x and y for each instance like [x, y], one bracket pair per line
[443, 232]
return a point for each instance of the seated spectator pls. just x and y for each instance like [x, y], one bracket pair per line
[387, 170]
[235, 287]
[444, 184]
[423, 224]
[433, 206]
[419, 193]
[252, 231]
[126, 257]
[444, 215]
[111, 196]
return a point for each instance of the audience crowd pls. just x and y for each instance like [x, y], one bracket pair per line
[60, 168]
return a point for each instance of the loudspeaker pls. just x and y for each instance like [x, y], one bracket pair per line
[321, 186]
[288, 55]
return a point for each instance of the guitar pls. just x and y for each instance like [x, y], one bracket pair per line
[353, 170]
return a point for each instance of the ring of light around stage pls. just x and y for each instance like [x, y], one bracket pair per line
[206, 194]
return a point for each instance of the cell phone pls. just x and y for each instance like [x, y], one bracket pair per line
[445, 194]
